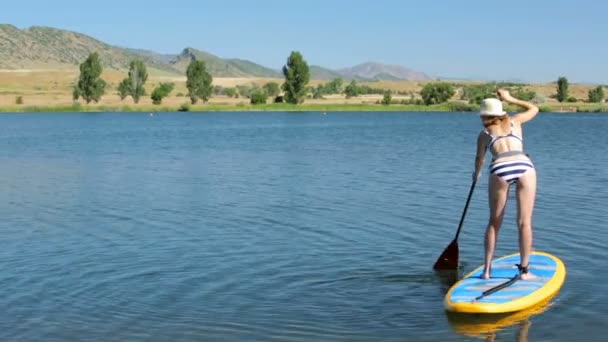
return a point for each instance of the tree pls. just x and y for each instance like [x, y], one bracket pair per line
[386, 100]
[318, 92]
[90, 86]
[75, 93]
[475, 93]
[272, 89]
[562, 89]
[199, 82]
[124, 88]
[351, 90]
[244, 89]
[310, 91]
[297, 75]
[138, 75]
[218, 90]
[230, 92]
[526, 95]
[161, 91]
[259, 97]
[596, 94]
[539, 99]
[334, 87]
[434, 93]
[134, 84]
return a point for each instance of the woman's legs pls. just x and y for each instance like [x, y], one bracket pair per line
[498, 191]
[526, 194]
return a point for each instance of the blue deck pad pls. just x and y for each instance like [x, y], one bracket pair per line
[541, 266]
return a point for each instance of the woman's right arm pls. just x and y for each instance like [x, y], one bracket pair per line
[531, 109]
[482, 143]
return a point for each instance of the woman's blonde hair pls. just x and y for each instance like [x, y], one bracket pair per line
[498, 120]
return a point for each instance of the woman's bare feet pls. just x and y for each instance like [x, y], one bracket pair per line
[527, 276]
[486, 274]
[525, 272]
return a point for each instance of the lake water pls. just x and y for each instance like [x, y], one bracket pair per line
[278, 226]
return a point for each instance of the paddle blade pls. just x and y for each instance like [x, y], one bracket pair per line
[448, 260]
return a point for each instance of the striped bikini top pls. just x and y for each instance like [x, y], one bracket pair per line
[510, 134]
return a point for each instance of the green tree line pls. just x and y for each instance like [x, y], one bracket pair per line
[295, 88]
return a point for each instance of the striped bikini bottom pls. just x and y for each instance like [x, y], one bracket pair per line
[511, 170]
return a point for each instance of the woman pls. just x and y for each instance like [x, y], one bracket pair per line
[502, 135]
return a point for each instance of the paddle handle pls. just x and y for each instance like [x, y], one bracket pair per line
[466, 206]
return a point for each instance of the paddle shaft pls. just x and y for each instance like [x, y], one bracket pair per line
[448, 260]
[466, 206]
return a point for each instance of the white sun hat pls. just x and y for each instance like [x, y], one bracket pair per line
[491, 107]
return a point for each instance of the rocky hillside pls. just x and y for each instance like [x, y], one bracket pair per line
[44, 47]
[50, 48]
[377, 72]
[219, 67]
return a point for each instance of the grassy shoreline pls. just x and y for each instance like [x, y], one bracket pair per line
[29, 91]
[444, 107]
[226, 108]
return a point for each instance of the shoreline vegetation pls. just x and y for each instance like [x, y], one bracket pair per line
[93, 89]
[283, 107]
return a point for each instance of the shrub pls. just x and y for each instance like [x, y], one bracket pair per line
[435, 93]
[259, 97]
[461, 107]
[161, 91]
[184, 107]
[386, 100]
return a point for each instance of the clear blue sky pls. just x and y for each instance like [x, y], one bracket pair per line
[534, 40]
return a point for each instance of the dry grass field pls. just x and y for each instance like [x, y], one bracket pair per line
[53, 87]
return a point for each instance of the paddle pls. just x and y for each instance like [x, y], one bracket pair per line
[448, 260]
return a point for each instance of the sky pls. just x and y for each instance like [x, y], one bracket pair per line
[534, 40]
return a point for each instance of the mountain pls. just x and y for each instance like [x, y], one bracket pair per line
[220, 67]
[158, 57]
[50, 48]
[254, 69]
[376, 72]
[321, 73]
[45, 47]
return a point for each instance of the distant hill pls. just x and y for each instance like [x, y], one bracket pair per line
[220, 67]
[160, 58]
[50, 48]
[321, 73]
[45, 47]
[376, 72]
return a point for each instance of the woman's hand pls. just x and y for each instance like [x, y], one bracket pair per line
[504, 95]
[475, 176]
[531, 109]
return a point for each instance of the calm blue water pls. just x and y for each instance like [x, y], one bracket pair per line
[277, 226]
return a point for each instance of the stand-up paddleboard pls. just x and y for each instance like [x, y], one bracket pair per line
[466, 295]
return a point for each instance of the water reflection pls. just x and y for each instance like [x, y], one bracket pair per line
[488, 325]
[447, 279]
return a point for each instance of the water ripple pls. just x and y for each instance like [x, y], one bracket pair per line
[274, 226]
